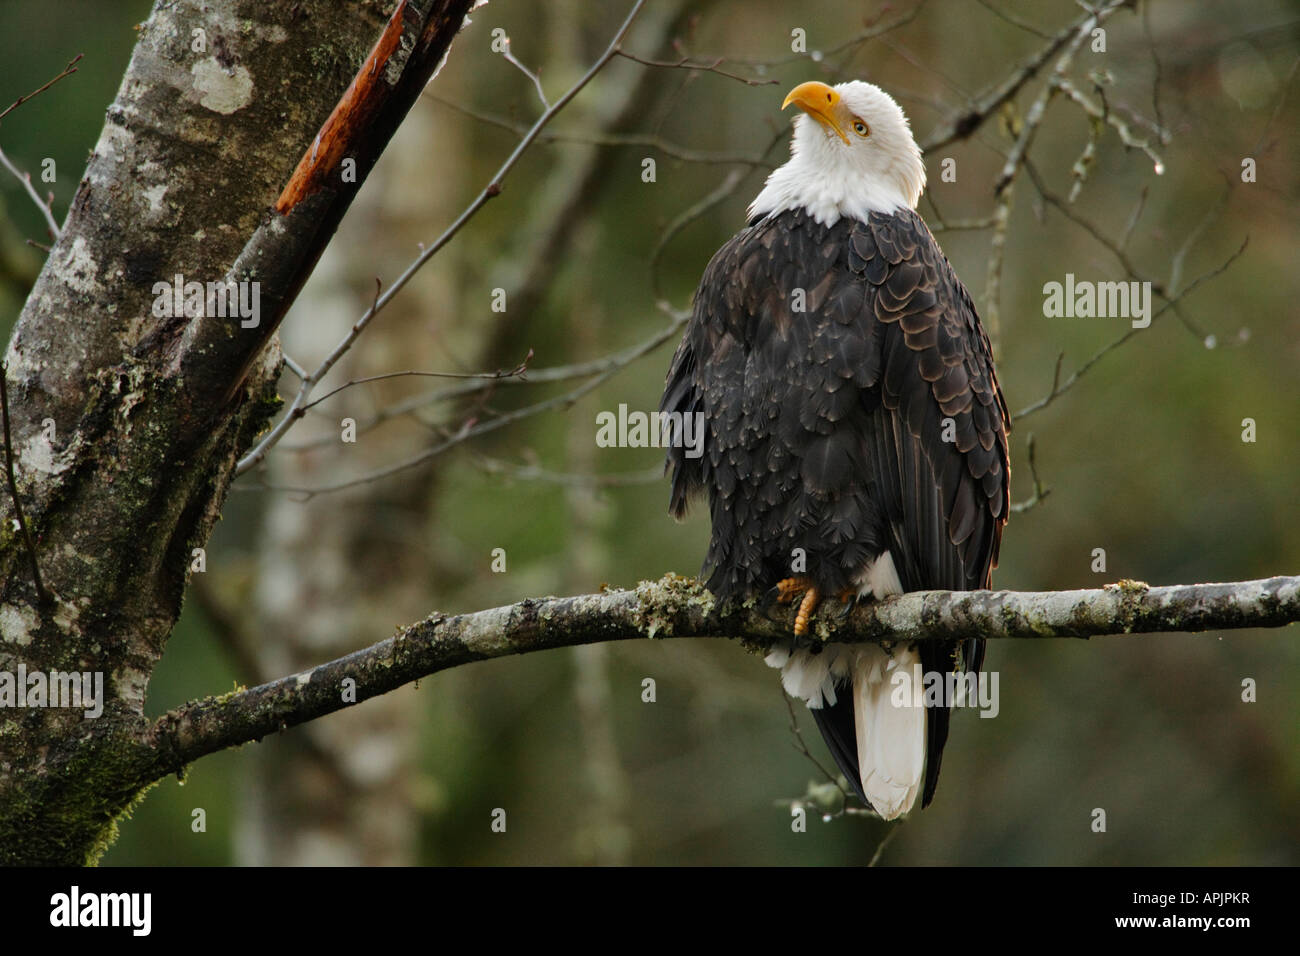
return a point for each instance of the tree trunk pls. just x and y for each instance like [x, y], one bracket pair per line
[123, 449]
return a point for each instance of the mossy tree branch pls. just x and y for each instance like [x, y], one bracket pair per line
[680, 607]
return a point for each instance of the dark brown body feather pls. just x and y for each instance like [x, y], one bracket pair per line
[825, 429]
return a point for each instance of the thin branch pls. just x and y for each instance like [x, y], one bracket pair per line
[880, 847]
[1108, 117]
[1277, 108]
[1040, 492]
[685, 64]
[993, 282]
[1157, 66]
[1014, 20]
[66, 72]
[1117, 250]
[1038, 109]
[519, 371]
[573, 189]
[698, 210]
[492, 189]
[1193, 237]
[537, 82]
[680, 607]
[293, 366]
[41, 594]
[874, 28]
[1133, 218]
[920, 64]
[44, 205]
[960, 225]
[801, 745]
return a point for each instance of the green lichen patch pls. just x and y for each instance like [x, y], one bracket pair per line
[661, 603]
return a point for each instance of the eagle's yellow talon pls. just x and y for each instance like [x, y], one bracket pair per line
[787, 588]
[811, 598]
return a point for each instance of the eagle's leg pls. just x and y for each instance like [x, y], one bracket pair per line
[811, 598]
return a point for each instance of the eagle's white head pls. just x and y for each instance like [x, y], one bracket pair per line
[852, 154]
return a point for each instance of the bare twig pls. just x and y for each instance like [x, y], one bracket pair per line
[874, 28]
[800, 745]
[1039, 492]
[1108, 117]
[1156, 65]
[1014, 20]
[1133, 218]
[923, 65]
[1193, 237]
[685, 64]
[884, 842]
[67, 71]
[293, 366]
[993, 286]
[1038, 109]
[44, 205]
[1277, 108]
[537, 82]
[520, 371]
[1116, 249]
[563, 202]
[716, 197]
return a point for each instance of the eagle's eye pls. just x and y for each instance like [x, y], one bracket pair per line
[860, 128]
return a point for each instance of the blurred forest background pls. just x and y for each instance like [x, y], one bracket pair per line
[1144, 457]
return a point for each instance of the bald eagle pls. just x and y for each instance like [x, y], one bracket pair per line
[855, 439]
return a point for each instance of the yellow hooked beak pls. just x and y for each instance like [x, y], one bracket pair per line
[820, 102]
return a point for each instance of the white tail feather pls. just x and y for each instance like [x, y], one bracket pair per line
[891, 738]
